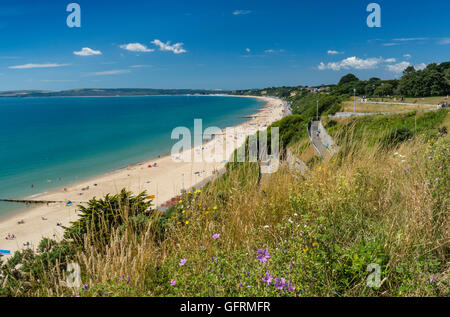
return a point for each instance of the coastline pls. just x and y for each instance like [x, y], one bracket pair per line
[164, 181]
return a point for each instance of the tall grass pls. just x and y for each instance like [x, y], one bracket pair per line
[370, 204]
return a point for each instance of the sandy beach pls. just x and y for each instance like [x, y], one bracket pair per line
[170, 176]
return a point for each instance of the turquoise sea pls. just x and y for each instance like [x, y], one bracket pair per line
[52, 142]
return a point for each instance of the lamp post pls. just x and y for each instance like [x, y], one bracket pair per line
[354, 98]
[317, 110]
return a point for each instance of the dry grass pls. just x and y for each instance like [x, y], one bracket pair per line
[365, 196]
[348, 106]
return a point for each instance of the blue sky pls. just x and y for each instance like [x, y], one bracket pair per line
[214, 44]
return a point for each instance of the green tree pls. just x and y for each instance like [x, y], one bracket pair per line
[349, 78]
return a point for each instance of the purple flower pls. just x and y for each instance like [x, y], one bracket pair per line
[240, 285]
[263, 255]
[433, 279]
[216, 236]
[285, 251]
[438, 179]
[128, 279]
[213, 259]
[280, 283]
[290, 287]
[441, 167]
[121, 277]
[267, 278]
[183, 262]
[173, 283]
[85, 287]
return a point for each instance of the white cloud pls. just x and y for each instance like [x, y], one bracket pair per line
[241, 12]
[420, 66]
[136, 47]
[390, 44]
[398, 68]
[30, 66]
[176, 48]
[248, 50]
[86, 51]
[409, 39]
[332, 52]
[407, 56]
[111, 72]
[390, 60]
[141, 66]
[352, 62]
[444, 41]
[271, 51]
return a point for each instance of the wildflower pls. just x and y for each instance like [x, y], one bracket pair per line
[266, 227]
[240, 285]
[315, 244]
[433, 279]
[441, 167]
[215, 207]
[128, 279]
[216, 236]
[187, 222]
[268, 278]
[290, 220]
[85, 287]
[213, 259]
[173, 283]
[121, 278]
[180, 202]
[183, 262]
[305, 250]
[263, 255]
[248, 273]
[290, 287]
[438, 179]
[183, 212]
[285, 251]
[106, 293]
[206, 213]
[280, 283]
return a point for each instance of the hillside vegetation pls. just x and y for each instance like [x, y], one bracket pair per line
[381, 201]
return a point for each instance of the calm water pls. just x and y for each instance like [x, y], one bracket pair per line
[52, 142]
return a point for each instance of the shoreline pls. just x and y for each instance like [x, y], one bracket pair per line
[164, 181]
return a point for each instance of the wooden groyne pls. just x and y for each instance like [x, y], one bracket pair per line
[26, 201]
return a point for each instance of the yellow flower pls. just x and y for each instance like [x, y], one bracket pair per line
[180, 202]
[187, 222]
[183, 212]
[305, 250]
[178, 223]
[315, 244]
[207, 212]
[215, 207]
